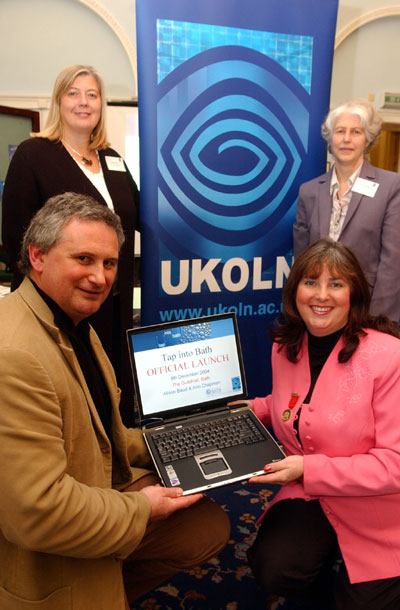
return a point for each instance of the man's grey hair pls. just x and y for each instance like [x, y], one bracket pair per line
[45, 228]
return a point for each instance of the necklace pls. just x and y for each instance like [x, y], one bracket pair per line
[84, 160]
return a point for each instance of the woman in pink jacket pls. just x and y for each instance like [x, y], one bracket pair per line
[335, 407]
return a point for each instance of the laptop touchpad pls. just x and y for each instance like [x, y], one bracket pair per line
[212, 464]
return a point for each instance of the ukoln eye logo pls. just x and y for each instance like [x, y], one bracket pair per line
[232, 134]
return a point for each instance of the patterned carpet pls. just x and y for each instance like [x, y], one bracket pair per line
[226, 582]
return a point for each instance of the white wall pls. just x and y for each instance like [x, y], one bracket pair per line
[40, 37]
[366, 61]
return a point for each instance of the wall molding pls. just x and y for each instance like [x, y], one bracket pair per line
[379, 13]
[118, 30]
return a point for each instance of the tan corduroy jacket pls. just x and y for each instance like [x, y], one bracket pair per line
[65, 525]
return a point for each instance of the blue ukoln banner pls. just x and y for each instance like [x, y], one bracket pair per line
[232, 96]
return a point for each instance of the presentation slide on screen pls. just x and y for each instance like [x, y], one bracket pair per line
[173, 373]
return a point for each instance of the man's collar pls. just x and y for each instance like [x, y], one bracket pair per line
[61, 319]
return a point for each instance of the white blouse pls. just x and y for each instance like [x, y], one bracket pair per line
[97, 179]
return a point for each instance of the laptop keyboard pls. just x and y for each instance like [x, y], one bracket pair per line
[189, 440]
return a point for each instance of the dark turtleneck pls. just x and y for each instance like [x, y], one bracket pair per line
[319, 349]
[79, 337]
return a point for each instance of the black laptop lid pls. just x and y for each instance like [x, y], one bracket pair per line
[187, 366]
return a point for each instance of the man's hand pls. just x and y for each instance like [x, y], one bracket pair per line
[283, 472]
[165, 501]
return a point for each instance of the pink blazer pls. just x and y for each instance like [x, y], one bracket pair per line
[350, 433]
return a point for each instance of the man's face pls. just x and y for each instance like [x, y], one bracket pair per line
[79, 271]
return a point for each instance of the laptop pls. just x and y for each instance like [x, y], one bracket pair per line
[185, 373]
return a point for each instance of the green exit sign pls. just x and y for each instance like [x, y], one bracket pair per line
[392, 100]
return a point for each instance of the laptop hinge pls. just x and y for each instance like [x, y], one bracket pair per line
[146, 424]
[160, 422]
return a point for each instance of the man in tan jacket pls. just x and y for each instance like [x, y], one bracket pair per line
[81, 514]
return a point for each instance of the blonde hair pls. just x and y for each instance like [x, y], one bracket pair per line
[369, 119]
[53, 128]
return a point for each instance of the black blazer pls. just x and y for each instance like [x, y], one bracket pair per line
[371, 229]
[40, 169]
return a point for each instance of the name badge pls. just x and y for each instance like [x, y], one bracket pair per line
[365, 187]
[115, 164]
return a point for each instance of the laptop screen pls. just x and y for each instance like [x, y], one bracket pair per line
[185, 366]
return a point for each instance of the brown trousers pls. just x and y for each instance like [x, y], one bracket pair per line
[184, 540]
